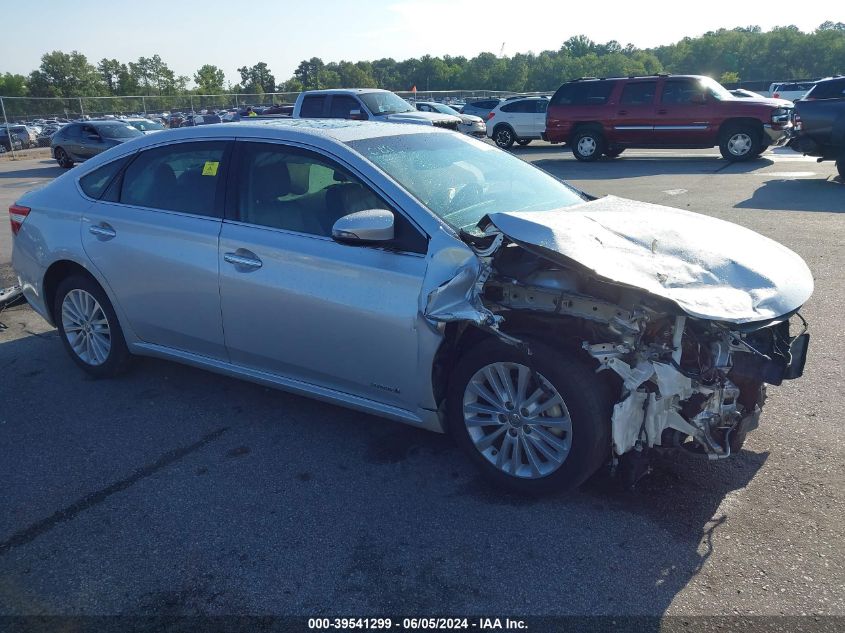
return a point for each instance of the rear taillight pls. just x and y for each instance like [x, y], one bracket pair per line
[17, 214]
[491, 115]
[796, 122]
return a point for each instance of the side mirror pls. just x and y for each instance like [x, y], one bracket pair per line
[371, 225]
[357, 115]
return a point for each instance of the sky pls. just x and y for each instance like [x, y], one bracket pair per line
[236, 33]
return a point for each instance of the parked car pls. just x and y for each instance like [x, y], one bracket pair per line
[8, 143]
[25, 134]
[366, 104]
[472, 125]
[423, 276]
[480, 108]
[77, 142]
[201, 119]
[819, 123]
[520, 120]
[605, 116]
[791, 90]
[147, 126]
[741, 93]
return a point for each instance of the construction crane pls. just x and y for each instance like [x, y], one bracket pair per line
[502, 50]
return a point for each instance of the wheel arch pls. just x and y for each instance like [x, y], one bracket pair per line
[740, 122]
[581, 125]
[53, 276]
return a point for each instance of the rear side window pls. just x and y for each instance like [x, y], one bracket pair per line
[312, 106]
[583, 93]
[638, 93]
[95, 183]
[521, 105]
[489, 104]
[183, 177]
[834, 89]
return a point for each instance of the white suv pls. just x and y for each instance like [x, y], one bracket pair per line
[792, 90]
[519, 120]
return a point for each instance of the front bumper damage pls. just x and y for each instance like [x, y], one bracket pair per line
[688, 338]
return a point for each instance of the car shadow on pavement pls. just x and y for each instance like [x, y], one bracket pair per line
[198, 494]
[826, 195]
[46, 169]
[618, 168]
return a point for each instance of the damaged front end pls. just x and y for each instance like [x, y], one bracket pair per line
[679, 379]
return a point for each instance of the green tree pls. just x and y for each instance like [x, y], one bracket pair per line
[13, 85]
[209, 80]
[257, 79]
[65, 75]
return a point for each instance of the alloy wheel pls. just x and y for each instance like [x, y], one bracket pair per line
[739, 144]
[517, 420]
[86, 327]
[504, 137]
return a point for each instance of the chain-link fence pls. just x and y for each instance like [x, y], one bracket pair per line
[24, 109]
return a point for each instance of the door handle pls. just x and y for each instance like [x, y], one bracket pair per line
[102, 230]
[244, 259]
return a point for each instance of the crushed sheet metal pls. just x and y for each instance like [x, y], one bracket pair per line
[710, 268]
[458, 299]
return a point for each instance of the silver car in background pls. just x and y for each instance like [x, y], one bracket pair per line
[472, 125]
[423, 276]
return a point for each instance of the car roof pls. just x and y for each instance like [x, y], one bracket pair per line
[356, 91]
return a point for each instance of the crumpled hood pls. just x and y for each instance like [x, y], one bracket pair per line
[710, 268]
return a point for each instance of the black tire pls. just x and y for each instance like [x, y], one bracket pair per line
[62, 158]
[588, 144]
[615, 152]
[584, 395]
[739, 143]
[118, 357]
[503, 136]
[840, 167]
[523, 142]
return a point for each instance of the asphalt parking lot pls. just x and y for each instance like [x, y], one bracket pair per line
[172, 490]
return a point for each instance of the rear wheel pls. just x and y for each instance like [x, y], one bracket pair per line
[588, 144]
[533, 424]
[740, 143]
[504, 137]
[89, 328]
[62, 158]
[523, 141]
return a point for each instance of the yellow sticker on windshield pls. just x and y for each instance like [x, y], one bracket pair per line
[210, 168]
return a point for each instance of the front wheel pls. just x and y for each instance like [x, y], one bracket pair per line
[588, 145]
[504, 137]
[533, 424]
[89, 328]
[62, 158]
[740, 143]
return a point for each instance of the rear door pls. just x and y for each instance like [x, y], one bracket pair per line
[520, 115]
[154, 238]
[683, 114]
[300, 305]
[539, 119]
[633, 121]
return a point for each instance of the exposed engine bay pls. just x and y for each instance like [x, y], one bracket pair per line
[681, 379]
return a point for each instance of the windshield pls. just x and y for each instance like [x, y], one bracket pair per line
[384, 103]
[444, 109]
[146, 126]
[118, 130]
[717, 90]
[461, 179]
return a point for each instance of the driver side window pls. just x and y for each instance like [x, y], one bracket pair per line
[296, 190]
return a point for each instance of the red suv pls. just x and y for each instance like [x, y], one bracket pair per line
[604, 116]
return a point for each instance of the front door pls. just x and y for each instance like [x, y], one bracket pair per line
[154, 239]
[300, 305]
[682, 116]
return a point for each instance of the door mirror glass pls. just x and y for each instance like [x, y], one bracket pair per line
[370, 225]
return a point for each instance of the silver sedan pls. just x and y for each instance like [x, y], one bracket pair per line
[423, 276]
